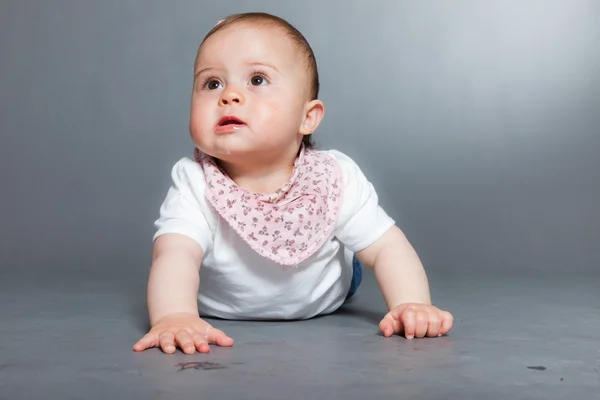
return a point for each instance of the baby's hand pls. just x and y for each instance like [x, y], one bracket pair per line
[186, 331]
[416, 320]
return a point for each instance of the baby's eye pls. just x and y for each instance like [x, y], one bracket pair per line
[212, 84]
[258, 80]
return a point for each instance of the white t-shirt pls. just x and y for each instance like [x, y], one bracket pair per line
[238, 283]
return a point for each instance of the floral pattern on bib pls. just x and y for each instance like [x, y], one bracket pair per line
[287, 226]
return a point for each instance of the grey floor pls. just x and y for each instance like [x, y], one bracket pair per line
[69, 336]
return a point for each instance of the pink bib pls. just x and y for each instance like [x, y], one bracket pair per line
[287, 226]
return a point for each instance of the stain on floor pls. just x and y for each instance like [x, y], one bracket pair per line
[537, 367]
[203, 365]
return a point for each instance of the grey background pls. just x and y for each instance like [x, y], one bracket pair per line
[477, 121]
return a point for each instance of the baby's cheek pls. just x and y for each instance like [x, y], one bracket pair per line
[199, 127]
[280, 112]
[195, 126]
[199, 118]
[272, 106]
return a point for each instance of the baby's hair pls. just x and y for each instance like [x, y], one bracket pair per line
[294, 34]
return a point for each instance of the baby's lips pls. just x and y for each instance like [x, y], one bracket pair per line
[230, 120]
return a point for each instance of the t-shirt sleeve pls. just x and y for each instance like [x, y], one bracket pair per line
[185, 209]
[361, 221]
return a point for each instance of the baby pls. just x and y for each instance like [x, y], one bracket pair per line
[259, 224]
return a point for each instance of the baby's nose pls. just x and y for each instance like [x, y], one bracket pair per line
[230, 97]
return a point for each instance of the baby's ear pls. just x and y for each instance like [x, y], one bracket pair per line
[314, 113]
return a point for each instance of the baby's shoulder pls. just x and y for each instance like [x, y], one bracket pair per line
[187, 168]
[347, 165]
[188, 175]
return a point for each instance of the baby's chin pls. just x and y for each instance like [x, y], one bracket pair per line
[228, 151]
[236, 148]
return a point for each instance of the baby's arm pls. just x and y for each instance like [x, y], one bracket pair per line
[405, 288]
[174, 279]
[172, 299]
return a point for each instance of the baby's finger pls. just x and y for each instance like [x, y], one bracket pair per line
[388, 326]
[185, 341]
[218, 337]
[435, 322]
[422, 319]
[149, 340]
[200, 342]
[408, 322]
[166, 341]
[447, 321]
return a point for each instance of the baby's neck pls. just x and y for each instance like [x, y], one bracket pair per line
[265, 178]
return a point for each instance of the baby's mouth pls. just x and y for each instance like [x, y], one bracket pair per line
[230, 121]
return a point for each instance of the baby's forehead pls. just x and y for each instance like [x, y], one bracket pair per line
[254, 42]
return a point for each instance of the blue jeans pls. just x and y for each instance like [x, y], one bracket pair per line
[356, 277]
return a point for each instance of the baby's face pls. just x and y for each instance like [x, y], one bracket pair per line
[250, 91]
